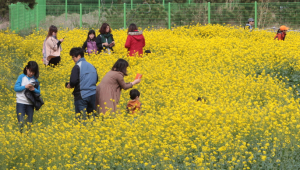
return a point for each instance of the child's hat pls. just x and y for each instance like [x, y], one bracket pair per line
[283, 27]
[250, 19]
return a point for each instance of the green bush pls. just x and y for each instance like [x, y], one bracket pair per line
[5, 3]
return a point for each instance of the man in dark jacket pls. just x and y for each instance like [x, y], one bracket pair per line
[83, 79]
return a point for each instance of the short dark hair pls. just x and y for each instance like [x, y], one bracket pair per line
[33, 67]
[134, 93]
[103, 28]
[132, 27]
[121, 65]
[77, 51]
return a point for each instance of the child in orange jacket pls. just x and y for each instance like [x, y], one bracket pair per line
[134, 105]
[281, 33]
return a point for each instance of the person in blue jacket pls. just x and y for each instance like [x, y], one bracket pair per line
[250, 24]
[83, 79]
[26, 81]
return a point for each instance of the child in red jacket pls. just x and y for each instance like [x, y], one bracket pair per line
[135, 41]
[281, 33]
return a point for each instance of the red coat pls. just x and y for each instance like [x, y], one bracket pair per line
[135, 43]
[280, 36]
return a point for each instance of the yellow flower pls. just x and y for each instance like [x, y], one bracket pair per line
[245, 110]
[263, 157]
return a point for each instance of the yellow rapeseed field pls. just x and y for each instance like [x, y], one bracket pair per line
[249, 119]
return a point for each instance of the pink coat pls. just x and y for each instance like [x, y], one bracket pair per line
[51, 49]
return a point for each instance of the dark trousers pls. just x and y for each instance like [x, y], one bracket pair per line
[85, 105]
[22, 110]
[54, 61]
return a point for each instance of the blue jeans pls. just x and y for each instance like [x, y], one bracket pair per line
[84, 105]
[23, 109]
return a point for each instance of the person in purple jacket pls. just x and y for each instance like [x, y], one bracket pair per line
[90, 44]
[26, 81]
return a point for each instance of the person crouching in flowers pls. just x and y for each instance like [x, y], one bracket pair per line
[281, 33]
[83, 79]
[135, 41]
[105, 40]
[109, 89]
[26, 81]
[52, 47]
[90, 43]
[134, 105]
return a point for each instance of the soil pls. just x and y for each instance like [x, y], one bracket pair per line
[4, 25]
[4, 22]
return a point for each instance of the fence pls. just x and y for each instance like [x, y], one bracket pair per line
[105, 2]
[162, 15]
[20, 16]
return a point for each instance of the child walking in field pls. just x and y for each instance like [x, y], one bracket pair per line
[27, 80]
[281, 33]
[134, 105]
[90, 43]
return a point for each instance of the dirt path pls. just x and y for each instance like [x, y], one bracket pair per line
[4, 25]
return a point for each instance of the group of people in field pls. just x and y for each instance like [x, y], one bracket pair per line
[104, 97]
[281, 32]
[104, 42]
[88, 97]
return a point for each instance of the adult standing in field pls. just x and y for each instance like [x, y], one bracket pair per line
[250, 24]
[109, 90]
[27, 80]
[52, 47]
[105, 40]
[83, 79]
[135, 41]
[281, 33]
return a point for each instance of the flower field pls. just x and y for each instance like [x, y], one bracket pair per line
[249, 118]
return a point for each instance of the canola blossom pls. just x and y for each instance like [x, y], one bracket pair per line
[248, 118]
